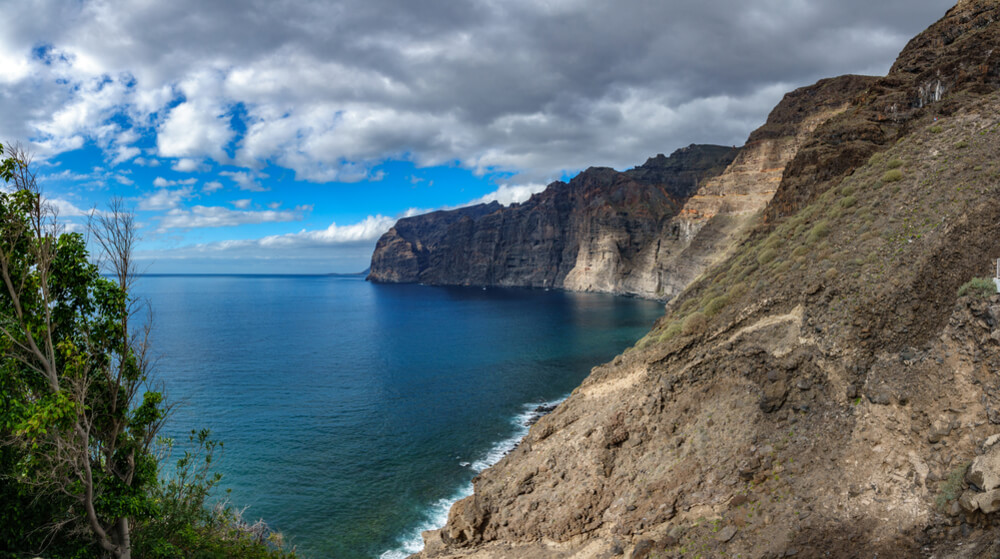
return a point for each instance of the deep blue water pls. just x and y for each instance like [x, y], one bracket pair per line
[353, 414]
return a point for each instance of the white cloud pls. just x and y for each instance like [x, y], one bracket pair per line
[165, 199]
[218, 216]
[357, 237]
[509, 194]
[65, 208]
[368, 230]
[188, 165]
[246, 180]
[211, 187]
[242, 204]
[161, 182]
[194, 130]
[147, 162]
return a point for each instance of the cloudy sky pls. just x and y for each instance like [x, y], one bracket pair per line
[287, 135]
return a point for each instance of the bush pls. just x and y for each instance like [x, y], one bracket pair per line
[671, 331]
[820, 230]
[694, 324]
[978, 287]
[936, 129]
[766, 256]
[894, 163]
[962, 144]
[848, 202]
[187, 526]
[715, 305]
[893, 175]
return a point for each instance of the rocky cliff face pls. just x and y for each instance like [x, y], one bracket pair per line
[706, 229]
[829, 388]
[536, 243]
[649, 231]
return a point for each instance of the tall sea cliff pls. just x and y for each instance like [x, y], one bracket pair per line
[824, 380]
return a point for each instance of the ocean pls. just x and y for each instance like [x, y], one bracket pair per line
[354, 414]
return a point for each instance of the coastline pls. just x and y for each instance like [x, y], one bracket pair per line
[435, 514]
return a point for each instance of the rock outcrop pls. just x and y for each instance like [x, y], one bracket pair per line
[829, 388]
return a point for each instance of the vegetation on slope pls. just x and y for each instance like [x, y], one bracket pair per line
[79, 419]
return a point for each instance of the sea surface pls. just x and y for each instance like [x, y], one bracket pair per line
[354, 414]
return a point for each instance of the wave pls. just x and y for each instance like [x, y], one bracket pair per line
[436, 515]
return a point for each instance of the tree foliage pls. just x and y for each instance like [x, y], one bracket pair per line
[79, 475]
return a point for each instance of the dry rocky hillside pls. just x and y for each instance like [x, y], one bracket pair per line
[830, 385]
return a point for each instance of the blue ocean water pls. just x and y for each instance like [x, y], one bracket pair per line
[354, 414]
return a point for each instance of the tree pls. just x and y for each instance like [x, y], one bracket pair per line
[77, 418]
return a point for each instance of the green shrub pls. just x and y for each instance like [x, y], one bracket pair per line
[936, 129]
[848, 202]
[820, 230]
[894, 163]
[671, 331]
[694, 324]
[893, 175]
[715, 305]
[688, 306]
[766, 256]
[962, 144]
[952, 488]
[978, 287]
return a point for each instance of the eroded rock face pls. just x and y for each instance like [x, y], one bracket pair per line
[648, 231]
[536, 243]
[937, 70]
[706, 229]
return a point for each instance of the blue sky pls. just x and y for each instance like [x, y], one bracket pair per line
[287, 136]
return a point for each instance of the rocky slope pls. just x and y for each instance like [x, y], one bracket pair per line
[706, 229]
[823, 390]
[648, 231]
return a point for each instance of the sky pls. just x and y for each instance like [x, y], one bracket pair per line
[285, 136]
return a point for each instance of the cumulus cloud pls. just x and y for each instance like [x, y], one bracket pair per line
[211, 186]
[354, 240]
[242, 204]
[188, 165]
[161, 182]
[194, 130]
[509, 194]
[65, 208]
[165, 199]
[332, 89]
[218, 216]
[248, 181]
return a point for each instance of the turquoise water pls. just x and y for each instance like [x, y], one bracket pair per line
[354, 414]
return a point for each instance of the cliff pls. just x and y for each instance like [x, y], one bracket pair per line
[648, 231]
[828, 387]
[536, 243]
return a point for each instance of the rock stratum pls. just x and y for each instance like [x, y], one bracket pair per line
[829, 384]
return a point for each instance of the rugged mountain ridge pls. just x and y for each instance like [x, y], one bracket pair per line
[535, 243]
[826, 389]
[648, 231]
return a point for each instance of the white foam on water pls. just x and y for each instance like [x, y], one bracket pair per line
[437, 513]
